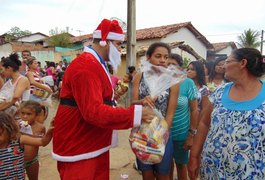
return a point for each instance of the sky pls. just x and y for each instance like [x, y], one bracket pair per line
[218, 21]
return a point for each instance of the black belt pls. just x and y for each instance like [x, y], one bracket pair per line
[72, 103]
[68, 102]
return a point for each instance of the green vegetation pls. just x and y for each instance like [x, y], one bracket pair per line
[14, 33]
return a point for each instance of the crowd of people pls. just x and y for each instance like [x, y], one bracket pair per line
[215, 115]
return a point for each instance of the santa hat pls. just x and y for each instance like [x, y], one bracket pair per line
[110, 30]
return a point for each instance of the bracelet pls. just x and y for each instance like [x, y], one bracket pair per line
[193, 131]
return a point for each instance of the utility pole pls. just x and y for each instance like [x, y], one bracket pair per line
[131, 41]
[261, 42]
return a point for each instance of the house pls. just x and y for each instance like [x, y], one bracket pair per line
[37, 43]
[33, 38]
[189, 42]
[32, 42]
[220, 49]
[183, 38]
[37, 50]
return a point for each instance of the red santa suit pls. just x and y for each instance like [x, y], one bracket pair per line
[83, 129]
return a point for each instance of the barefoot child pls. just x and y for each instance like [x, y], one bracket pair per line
[29, 113]
[12, 147]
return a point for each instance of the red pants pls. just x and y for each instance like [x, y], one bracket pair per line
[89, 169]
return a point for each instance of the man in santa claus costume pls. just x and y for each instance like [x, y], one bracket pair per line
[86, 116]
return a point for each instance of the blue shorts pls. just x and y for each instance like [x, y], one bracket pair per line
[162, 168]
[180, 155]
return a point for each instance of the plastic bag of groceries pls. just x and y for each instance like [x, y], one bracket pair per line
[148, 141]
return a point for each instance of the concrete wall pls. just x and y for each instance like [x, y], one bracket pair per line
[226, 51]
[5, 50]
[189, 39]
[31, 38]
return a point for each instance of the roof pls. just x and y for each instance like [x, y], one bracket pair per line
[33, 34]
[20, 46]
[222, 45]
[81, 38]
[162, 31]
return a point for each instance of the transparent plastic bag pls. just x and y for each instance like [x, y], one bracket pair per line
[149, 140]
[159, 78]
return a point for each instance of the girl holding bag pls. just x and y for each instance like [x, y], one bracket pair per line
[166, 102]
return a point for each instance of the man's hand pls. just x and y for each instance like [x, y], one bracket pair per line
[147, 114]
[149, 101]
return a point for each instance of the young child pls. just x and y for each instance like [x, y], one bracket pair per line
[122, 86]
[12, 147]
[30, 124]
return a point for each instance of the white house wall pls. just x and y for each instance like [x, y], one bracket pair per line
[5, 50]
[147, 42]
[227, 51]
[43, 56]
[31, 38]
[189, 39]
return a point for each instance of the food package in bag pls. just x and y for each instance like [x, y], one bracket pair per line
[149, 140]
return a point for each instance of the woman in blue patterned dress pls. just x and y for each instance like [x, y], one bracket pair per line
[231, 138]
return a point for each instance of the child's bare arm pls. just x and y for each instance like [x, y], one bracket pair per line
[37, 141]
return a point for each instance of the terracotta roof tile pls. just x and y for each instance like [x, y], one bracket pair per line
[162, 31]
[159, 32]
[20, 46]
[222, 45]
[81, 38]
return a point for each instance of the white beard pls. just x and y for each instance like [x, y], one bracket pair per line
[114, 56]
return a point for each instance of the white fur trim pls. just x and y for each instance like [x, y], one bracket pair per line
[137, 115]
[111, 35]
[102, 43]
[80, 156]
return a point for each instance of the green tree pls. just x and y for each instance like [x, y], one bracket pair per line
[186, 62]
[60, 40]
[250, 38]
[14, 33]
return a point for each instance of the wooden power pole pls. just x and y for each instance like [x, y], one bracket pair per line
[261, 42]
[131, 40]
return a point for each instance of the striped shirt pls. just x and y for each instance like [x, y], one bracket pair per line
[181, 119]
[12, 162]
[37, 78]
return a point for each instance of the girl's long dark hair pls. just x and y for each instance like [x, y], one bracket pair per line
[198, 67]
